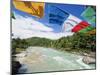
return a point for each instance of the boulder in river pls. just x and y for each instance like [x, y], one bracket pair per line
[91, 54]
[89, 60]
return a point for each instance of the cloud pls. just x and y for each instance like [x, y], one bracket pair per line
[29, 23]
[26, 27]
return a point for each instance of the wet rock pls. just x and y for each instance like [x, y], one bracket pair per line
[15, 67]
[89, 60]
[91, 54]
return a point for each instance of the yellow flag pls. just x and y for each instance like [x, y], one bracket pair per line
[30, 7]
[92, 32]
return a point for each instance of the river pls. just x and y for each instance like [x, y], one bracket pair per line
[40, 59]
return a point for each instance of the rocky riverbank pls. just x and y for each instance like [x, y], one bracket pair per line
[15, 67]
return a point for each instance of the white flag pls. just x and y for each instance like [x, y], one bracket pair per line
[70, 22]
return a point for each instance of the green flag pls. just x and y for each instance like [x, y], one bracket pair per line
[89, 15]
[89, 28]
[12, 15]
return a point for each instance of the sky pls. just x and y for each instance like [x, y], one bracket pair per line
[26, 25]
[76, 10]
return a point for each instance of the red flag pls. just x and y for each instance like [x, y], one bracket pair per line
[80, 26]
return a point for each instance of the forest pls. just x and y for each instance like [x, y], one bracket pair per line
[78, 42]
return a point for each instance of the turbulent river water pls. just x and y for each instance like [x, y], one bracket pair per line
[39, 59]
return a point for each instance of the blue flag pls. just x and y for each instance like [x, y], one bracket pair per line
[57, 15]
